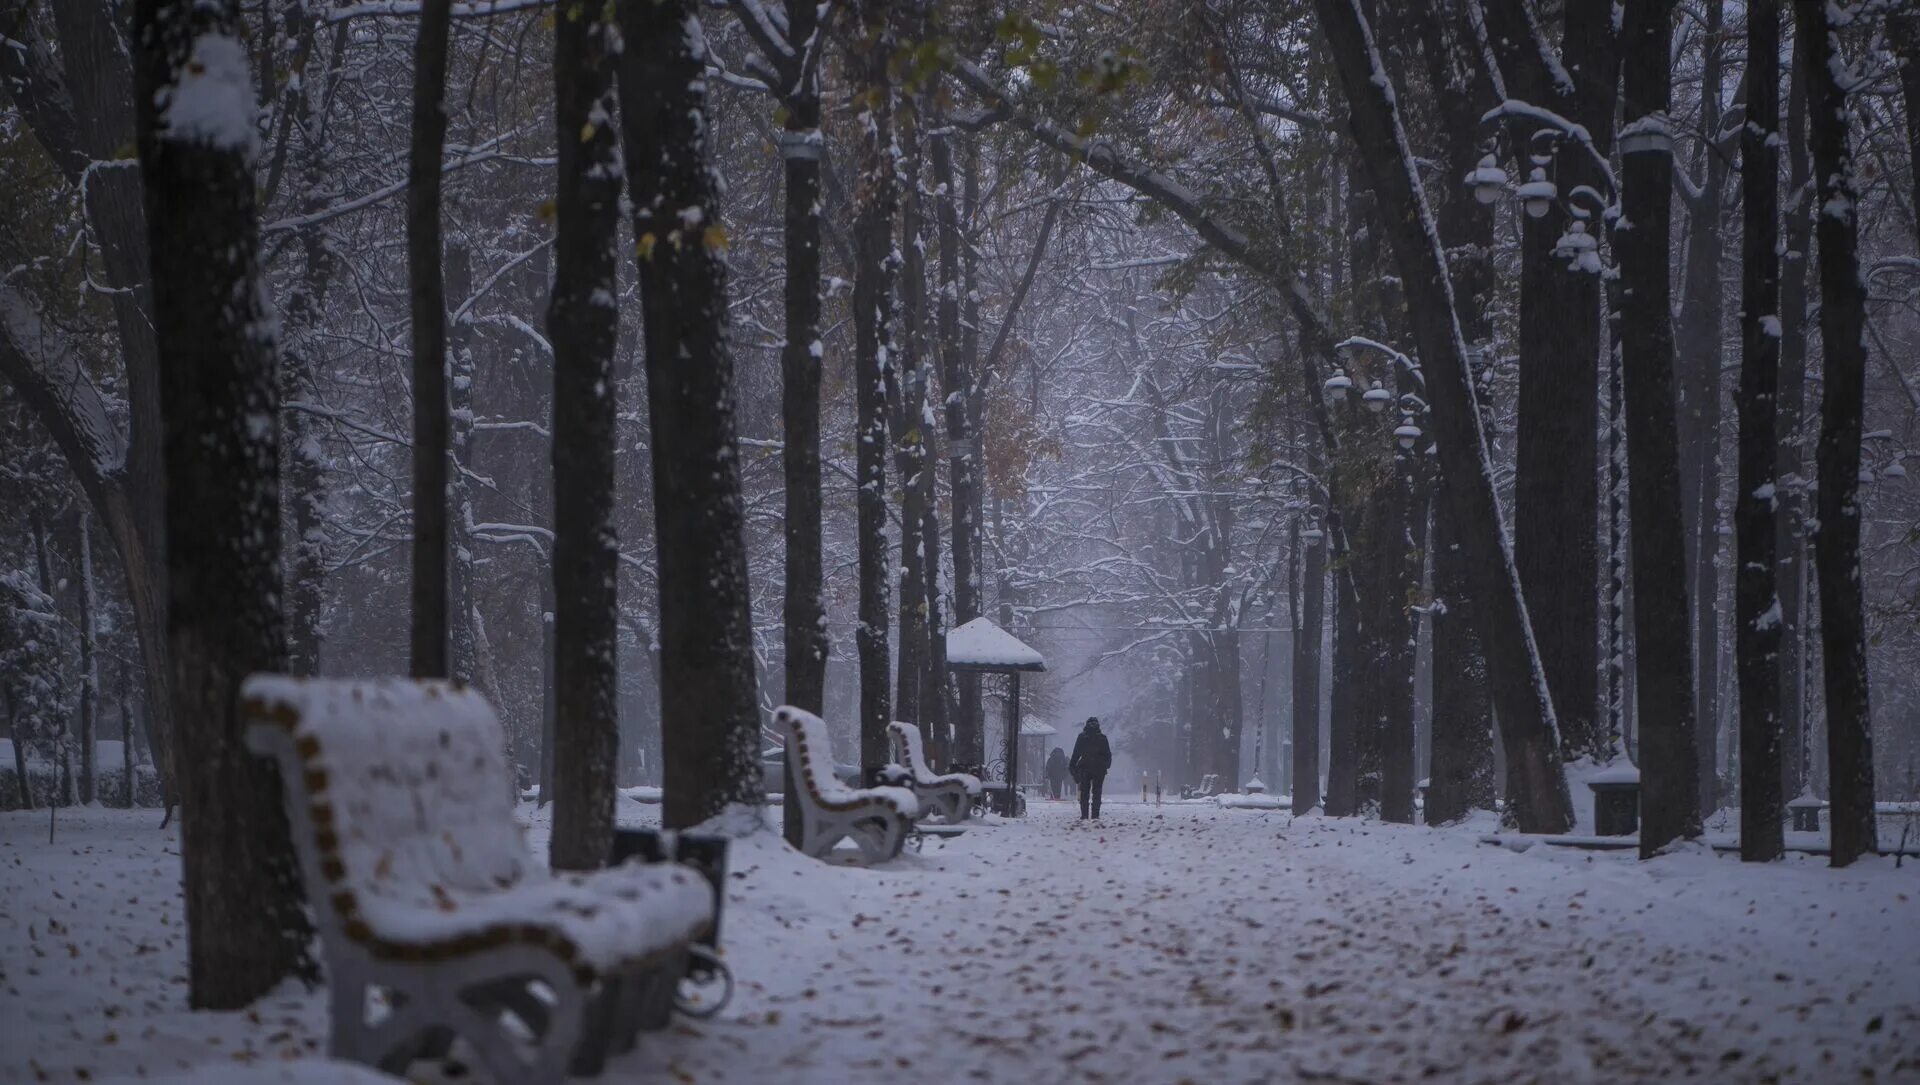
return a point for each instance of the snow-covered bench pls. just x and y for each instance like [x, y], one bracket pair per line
[400, 802]
[876, 819]
[951, 795]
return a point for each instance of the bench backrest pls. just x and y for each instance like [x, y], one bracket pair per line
[810, 751]
[405, 784]
[908, 747]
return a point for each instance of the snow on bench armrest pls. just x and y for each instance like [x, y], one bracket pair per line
[409, 794]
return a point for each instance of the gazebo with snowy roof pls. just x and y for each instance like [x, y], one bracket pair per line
[984, 648]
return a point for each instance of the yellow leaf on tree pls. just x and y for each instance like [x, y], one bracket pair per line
[715, 237]
[644, 246]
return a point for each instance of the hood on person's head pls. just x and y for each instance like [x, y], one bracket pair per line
[1093, 723]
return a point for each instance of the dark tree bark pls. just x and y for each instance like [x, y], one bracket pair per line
[246, 928]
[583, 323]
[873, 279]
[81, 111]
[1756, 601]
[1556, 480]
[1519, 684]
[1792, 492]
[956, 378]
[430, 415]
[302, 467]
[710, 725]
[1698, 354]
[89, 667]
[1669, 800]
[463, 627]
[908, 405]
[1461, 769]
[1836, 544]
[1307, 628]
[1343, 758]
[805, 614]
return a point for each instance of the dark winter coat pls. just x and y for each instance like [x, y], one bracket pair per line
[1057, 765]
[1092, 757]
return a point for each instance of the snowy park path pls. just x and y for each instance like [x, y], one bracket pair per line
[1183, 943]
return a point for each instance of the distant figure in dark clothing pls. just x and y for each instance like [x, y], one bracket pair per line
[1057, 773]
[1092, 757]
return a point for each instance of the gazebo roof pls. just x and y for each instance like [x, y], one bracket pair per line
[1030, 727]
[981, 645]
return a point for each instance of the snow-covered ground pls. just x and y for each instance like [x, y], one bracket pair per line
[1179, 943]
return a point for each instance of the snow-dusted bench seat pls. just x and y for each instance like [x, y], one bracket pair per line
[400, 802]
[951, 795]
[876, 819]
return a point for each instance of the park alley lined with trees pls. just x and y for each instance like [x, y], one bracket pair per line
[1408, 408]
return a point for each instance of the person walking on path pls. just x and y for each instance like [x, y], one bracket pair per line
[1057, 774]
[1092, 757]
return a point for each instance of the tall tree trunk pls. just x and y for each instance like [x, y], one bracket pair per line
[1697, 353]
[710, 723]
[1519, 682]
[963, 451]
[1669, 791]
[127, 766]
[1836, 545]
[1460, 769]
[246, 929]
[1397, 766]
[89, 666]
[1461, 774]
[909, 428]
[1756, 601]
[805, 613]
[1307, 633]
[430, 414]
[463, 629]
[1342, 798]
[302, 466]
[100, 79]
[1556, 474]
[1792, 490]
[873, 361]
[583, 322]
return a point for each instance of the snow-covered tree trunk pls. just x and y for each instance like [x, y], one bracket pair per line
[909, 423]
[246, 929]
[583, 323]
[1519, 681]
[1397, 771]
[463, 628]
[1836, 542]
[963, 446]
[875, 202]
[1791, 541]
[710, 723]
[429, 311]
[302, 460]
[1756, 600]
[1669, 785]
